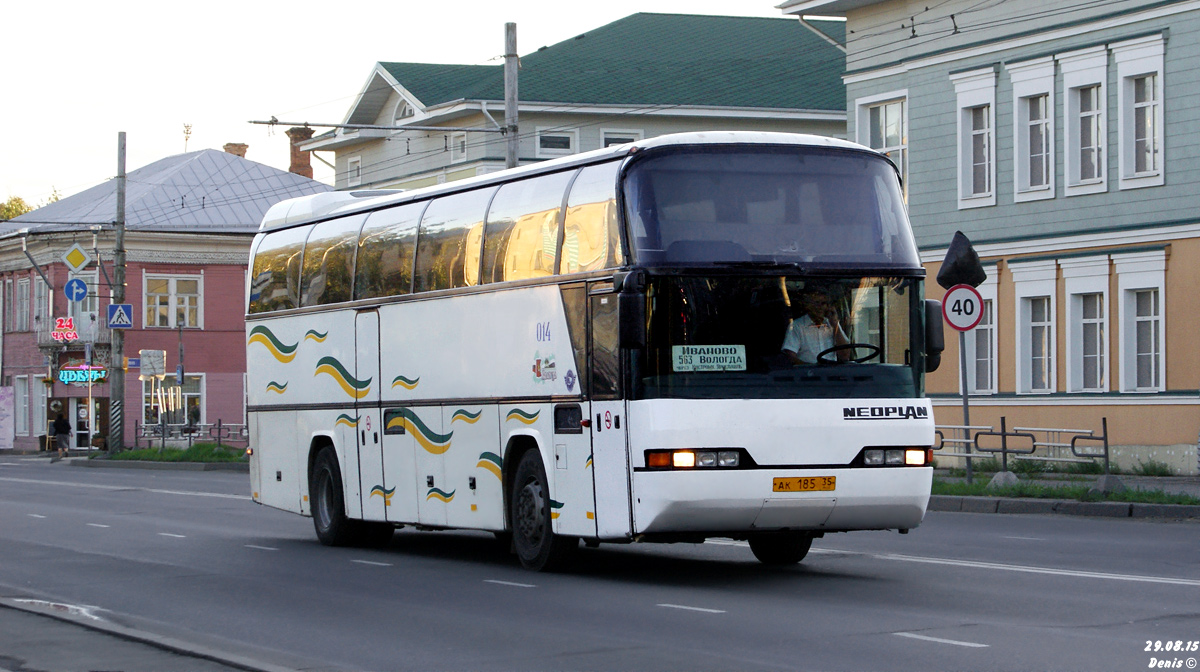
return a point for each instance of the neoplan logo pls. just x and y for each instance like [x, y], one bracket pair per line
[884, 412]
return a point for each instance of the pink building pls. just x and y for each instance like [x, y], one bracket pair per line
[190, 220]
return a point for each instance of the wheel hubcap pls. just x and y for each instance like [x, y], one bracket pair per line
[530, 521]
[324, 495]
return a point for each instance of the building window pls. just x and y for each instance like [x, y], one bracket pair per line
[1037, 141]
[21, 405]
[1085, 282]
[458, 147]
[556, 142]
[41, 305]
[8, 306]
[1140, 111]
[403, 111]
[1033, 129]
[22, 304]
[1084, 76]
[37, 398]
[619, 137]
[1142, 314]
[173, 301]
[981, 341]
[86, 313]
[187, 406]
[976, 91]
[1034, 285]
[354, 171]
[882, 125]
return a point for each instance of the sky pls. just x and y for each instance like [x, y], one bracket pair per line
[74, 74]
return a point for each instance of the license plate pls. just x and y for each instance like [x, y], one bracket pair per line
[805, 484]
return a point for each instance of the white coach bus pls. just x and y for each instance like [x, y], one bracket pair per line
[691, 336]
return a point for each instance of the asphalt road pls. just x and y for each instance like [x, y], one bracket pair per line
[186, 556]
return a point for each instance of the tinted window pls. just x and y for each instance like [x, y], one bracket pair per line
[807, 205]
[329, 262]
[522, 229]
[590, 235]
[449, 245]
[385, 252]
[275, 281]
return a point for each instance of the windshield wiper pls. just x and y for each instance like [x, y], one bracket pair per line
[790, 266]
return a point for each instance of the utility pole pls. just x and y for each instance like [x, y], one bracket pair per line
[510, 94]
[116, 396]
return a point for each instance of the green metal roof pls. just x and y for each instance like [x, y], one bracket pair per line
[660, 59]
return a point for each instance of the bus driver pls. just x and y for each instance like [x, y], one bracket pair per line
[815, 330]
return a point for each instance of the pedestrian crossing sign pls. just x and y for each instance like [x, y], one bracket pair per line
[120, 315]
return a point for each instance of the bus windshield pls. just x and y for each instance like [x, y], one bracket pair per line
[811, 206]
[779, 337]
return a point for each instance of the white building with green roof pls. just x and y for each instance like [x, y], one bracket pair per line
[642, 76]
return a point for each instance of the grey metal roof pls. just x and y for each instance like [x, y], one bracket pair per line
[207, 191]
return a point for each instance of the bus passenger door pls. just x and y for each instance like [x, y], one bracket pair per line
[366, 418]
[610, 469]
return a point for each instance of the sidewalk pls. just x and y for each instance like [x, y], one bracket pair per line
[1175, 485]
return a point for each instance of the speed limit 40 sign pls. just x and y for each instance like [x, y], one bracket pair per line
[962, 307]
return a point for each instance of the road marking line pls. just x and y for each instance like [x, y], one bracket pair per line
[1043, 570]
[1026, 538]
[74, 610]
[726, 542]
[96, 525]
[510, 583]
[373, 564]
[35, 515]
[124, 487]
[686, 608]
[176, 536]
[10, 464]
[939, 640]
[261, 548]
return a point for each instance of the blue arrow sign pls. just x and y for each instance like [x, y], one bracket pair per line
[120, 315]
[75, 289]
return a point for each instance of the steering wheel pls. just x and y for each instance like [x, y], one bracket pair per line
[874, 352]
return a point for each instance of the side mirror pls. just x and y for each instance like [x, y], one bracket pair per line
[935, 336]
[631, 315]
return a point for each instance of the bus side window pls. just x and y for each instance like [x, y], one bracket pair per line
[275, 283]
[328, 271]
[606, 362]
[521, 236]
[575, 306]
[451, 237]
[591, 238]
[386, 249]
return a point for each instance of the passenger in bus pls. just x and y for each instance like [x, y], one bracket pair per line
[814, 329]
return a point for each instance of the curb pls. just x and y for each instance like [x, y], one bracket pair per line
[164, 466]
[1066, 507]
[165, 643]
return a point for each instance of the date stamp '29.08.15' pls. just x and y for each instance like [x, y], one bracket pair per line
[1164, 660]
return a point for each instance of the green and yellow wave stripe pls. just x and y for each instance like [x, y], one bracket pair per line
[406, 383]
[442, 495]
[280, 351]
[343, 419]
[554, 507]
[491, 462]
[330, 366]
[430, 440]
[385, 494]
[278, 388]
[466, 416]
[314, 335]
[588, 464]
[522, 416]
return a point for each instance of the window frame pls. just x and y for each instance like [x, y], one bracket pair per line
[1136, 59]
[862, 129]
[988, 292]
[636, 134]
[173, 299]
[1084, 277]
[353, 171]
[541, 153]
[1081, 70]
[976, 89]
[457, 155]
[23, 288]
[21, 405]
[1031, 80]
[1140, 271]
[1032, 280]
[202, 394]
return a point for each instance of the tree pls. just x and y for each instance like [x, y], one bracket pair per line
[14, 207]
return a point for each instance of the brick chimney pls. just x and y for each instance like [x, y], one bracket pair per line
[236, 148]
[301, 162]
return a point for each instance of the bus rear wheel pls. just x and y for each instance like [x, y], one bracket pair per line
[785, 548]
[534, 541]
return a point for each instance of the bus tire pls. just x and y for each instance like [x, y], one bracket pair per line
[328, 504]
[786, 548]
[536, 545]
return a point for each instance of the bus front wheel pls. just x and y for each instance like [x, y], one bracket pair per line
[534, 541]
[329, 509]
[780, 548]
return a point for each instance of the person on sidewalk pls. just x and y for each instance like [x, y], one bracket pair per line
[62, 436]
